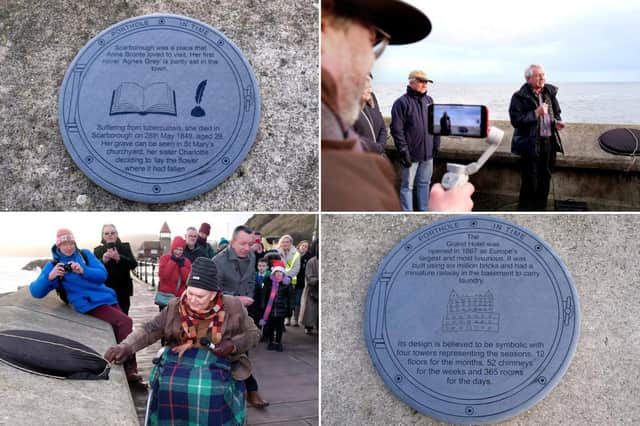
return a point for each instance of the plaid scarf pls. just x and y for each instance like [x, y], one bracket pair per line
[190, 319]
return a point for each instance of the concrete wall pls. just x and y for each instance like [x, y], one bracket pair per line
[29, 399]
[38, 41]
[602, 383]
[585, 172]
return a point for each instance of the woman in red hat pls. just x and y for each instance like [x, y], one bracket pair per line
[173, 271]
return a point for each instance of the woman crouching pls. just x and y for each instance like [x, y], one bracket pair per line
[193, 382]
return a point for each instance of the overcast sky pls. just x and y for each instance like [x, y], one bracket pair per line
[494, 41]
[36, 232]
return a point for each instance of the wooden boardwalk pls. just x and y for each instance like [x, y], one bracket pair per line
[288, 380]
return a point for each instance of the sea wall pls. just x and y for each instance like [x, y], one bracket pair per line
[584, 173]
[29, 399]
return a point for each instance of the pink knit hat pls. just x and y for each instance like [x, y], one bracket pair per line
[63, 235]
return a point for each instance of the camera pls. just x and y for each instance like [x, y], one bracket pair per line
[67, 267]
[111, 245]
[470, 121]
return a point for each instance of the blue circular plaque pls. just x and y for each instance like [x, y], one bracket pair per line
[472, 319]
[159, 108]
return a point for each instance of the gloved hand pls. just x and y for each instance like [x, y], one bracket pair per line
[224, 348]
[405, 159]
[118, 353]
[262, 322]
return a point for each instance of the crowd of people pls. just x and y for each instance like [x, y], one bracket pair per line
[213, 307]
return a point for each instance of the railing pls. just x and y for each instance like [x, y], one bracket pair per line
[146, 271]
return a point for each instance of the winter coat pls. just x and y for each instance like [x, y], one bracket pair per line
[284, 301]
[300, 282]
[312, 292]
[523, 118]
[371, 128]
[199, 250]
[119, 273]
[235, 280]
[256, 309]
[85, 292]
[409, 117]
[207, 247]
[237, 326]
[291, 261]
[168, 273]
[351, 180]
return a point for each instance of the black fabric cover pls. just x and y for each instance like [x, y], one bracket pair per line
[43, 353]
[621, 141]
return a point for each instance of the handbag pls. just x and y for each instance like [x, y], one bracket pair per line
[162, 298]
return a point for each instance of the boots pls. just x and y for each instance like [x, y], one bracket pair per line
[254, 399]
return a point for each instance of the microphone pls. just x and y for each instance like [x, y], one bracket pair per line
[205, 341]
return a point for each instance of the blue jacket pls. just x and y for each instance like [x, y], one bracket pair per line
[85, 292]
[409, 126]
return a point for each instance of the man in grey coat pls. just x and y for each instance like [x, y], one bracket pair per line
[236, 275]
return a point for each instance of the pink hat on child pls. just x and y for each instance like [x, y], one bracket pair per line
[63, 235]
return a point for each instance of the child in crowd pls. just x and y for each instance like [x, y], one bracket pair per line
[278, 298]
[256, 309]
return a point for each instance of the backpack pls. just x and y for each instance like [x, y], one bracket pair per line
[62, 293]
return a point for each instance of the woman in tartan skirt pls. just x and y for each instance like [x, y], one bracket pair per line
[193, 383]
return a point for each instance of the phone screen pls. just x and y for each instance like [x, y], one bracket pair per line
[458, 120]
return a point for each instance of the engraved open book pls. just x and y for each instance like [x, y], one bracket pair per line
[131, 98]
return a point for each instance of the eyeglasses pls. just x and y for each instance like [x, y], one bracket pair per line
[381, 42]
[110, 233]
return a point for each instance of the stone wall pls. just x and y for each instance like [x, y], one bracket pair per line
[584, 173]
[29, 399]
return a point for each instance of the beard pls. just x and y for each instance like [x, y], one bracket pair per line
[350, 102]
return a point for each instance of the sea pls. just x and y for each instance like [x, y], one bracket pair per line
[606, 103]
[12, 274]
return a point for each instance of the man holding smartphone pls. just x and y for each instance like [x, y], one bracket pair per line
[119, 261]
[416, 147]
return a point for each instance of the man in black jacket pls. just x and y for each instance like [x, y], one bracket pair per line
[194, 249]
[119, 261]
[535, 114]
[416, 147]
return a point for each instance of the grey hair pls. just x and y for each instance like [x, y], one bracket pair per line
[529, 71]
[111, 225]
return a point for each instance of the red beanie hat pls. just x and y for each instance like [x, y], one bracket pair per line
[205, 227]
[178, 242]
[63, 235]
[278, 265]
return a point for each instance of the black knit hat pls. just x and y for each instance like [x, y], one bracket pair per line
[204, 275]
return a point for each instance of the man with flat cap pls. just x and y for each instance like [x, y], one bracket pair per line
[354, 34]
[207, 335]
[416, 147]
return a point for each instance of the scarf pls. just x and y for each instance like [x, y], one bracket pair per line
[179, 260]
[189, 319]
[274, 291]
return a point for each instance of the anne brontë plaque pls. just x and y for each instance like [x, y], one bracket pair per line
[472, 319]
[159, 108]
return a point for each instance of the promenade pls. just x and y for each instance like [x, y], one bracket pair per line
[288, 380]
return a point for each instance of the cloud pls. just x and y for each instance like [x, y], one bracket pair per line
[496, 40]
